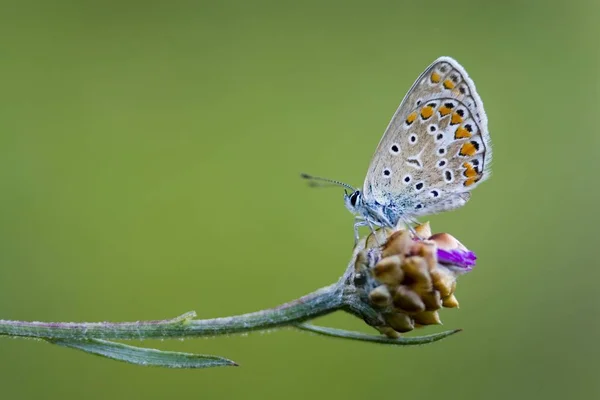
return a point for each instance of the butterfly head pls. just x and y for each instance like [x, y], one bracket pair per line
[353, 201]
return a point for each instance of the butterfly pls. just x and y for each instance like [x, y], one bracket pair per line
[434, 152]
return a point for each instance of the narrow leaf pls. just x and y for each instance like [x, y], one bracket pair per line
[401, 341]
[143, 356]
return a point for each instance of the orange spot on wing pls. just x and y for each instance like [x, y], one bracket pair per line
[469, 170]
[461, 133]
[468, 149]
[470, 181]
[426, 112]
[435, 77]
[411, 118]
[444, 111]
[448, 84]
[456, 119]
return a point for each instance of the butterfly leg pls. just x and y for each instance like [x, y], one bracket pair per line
[358, 222]
[409, 225]
[361, 221]
[373, 231]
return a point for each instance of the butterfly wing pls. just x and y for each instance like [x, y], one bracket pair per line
[436, 148]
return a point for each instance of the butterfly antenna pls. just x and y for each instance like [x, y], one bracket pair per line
[317, 181]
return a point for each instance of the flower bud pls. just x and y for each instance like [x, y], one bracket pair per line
[423, 230]
[407, 300]
[400, 322]
[427, 318]
[409, 278]
[432, 300]
[388, 270]
[380, 296]
[415, 268]
[450, 302]
[399, 242]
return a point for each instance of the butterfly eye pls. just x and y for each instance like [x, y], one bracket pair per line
[354, 198]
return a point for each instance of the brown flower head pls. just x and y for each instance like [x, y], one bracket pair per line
[409, 279]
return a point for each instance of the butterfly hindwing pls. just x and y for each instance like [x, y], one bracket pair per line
[436, 147]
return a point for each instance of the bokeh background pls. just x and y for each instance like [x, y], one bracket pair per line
[149, 164]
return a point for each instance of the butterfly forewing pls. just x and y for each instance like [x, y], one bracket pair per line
[436, 147]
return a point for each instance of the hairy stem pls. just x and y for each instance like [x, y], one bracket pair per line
[320, 302]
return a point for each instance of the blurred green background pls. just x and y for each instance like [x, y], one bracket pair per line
[149, 164]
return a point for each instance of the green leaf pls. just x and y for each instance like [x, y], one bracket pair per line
[143, 356]
[401, 341]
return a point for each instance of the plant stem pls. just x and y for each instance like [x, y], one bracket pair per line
[320, 302]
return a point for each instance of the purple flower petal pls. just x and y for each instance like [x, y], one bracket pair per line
[460, 258]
